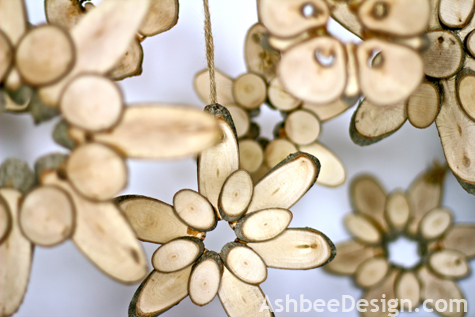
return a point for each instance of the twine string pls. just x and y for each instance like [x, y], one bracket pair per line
[213, 96]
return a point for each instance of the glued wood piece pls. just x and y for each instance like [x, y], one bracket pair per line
[177, 254]
[460, 237]
[91, 102]
[327, 111]
[455, 14]
[65, 13]
[251, 155]
[368, 197]
[205, 278]
[156, 131]
[47, 216]
[449, 264]
[408, 288]
[5, 220]
[435, 223]
[444, 56]
[371, 272]
[363, 229]
[194, 210]
[224, 87]
[280, 98]
[250, 90]
[465, 94]
[296, 249]
[236, 195]
[277, 150]
[244, 263]
[263, 225]
[302, 127]
[259, 57]
[423, 105]
[397, 210]
[6, 55]
[241, 120]
[162, 15]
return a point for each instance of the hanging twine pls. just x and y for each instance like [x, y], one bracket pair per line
[213, 96]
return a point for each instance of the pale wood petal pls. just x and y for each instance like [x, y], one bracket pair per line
[13, 19]
[161, 16]
[448, 263]
[131, 62]
[65, 13]
[205, 278]
[465, 95]
[263, 225]
[455, 14]
[280, 98]
[194, 210]
[371, 272]
[235, 195]
[251, 155]
[249, 90]
[435, 223]
[397, 210]
[328, 111]
[177, 254]
[277, 150]
[244, 263]
[240, 118]
[423, 105]
[224, 87]
[408, 290]
[259, 57]
[302, 127]
[444, 56]
[386, 287]
[460, 237]
[363, 228]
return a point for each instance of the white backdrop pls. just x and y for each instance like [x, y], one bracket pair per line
[64, 283]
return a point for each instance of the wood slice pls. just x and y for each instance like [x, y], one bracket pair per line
[314, 71]
[277, 150]
[285, 18]
[283, 44]
[92, 102]
[470, 43]
[444, 56]
[177, 254]
[465, 86]
[65, 13]
[352, 89]
[241, 120]
[153, 220]
[397, 210]
[101, 38]
[328, 111]
[13, 19]
[341, 12]
[434, 288]
[379, 295]
[435, 223]
[162, 291]
[16, 254]
[404, 18]
[249, 90]
[47, 216]
[162, 15]
[240, 299]
[408, 290]
[455, 14]
[251, 155]
[97, 171]
[371, 272]
[6, 55]
[385, 83]
[460, 237]
[280, 98]
[131, 62]
[224, 87]
[244, 263]
[296, 249]
[368, 197]
[215, 164]
[194, 210]
[350, 254]
[161, 131]
[302, 127]
[286, 183]
[363, 228]
[449, 264]
[259, 58]
[263, 225]
[205, 278]
[332, 173]
[434, 20]
[5, 220]
[423, 105]
[118, 254]
[235, 195]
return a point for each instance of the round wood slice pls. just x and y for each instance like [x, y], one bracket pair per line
[6, 55]
[65, 13]
[407, 290]
[251, 155]
[259, 59]
[397, 210]
[235, 195]
[302, 127]
[205, 278]
[194, 210]
[369, 198]
[161, 16]
[249, 90]
[277, 150]
[466, 95]
[423, 105]
[177, 254]
[455, 14]
[460, 237]
[224, 87]
[263, 225]
[45, 55]
[371, 272]
[449, 264]
[435, 223]
[328, 111]
[362, 228]
[244, 263]
[280, 98]
[47, 216]
[5, 220]
[240, 119]
[97, 171]
[444, 46]
[91, 102]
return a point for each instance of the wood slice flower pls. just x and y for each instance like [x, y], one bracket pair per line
[379, 218]
[259, 215]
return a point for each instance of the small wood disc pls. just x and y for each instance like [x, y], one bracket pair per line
[240, 119]
[92, 102]
[47, 216]
[362, 228]
[371, 271]
[243, 262]
[250, 90]
[45, 55]
[96, 171]
[259, 59]
[302, 127]
[444, 46]
[205, 279]
[177, 254]
[161, 16]
[235, 195]
[455, 14]
[5, 220]
[449, 264]
[251, 155]
[194, 210]
[435, 223]
[277, 150]
[407, 287]
[466, 94]
[460, 237]
[423, 105]
[263, 225]
[470, 43]
[280, 98]
[397, 210]
[6, 55]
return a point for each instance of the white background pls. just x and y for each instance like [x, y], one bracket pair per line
[64, 283]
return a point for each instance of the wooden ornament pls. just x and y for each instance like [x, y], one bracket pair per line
[194, 210]
[260, 58]
[235, 196]
[423, 106]
[263, 225]
[177, 254]
[205, 278]
[371, 272]
[408, 287]
[244, 263]
[249, 90]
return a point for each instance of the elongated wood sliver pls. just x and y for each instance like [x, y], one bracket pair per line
[177, 254]
[6, 55]
[16, 254]
[342, 13]
[277, 150]
[435, 223]
[259, 59]
[460, 237]
[240, 119]
[118, 254]
[369, 198]
[13, 19]
[327, 111]
[47, 216]
[240, 299]
[371, 272]
[152, 220]
[251, 155]
[224, 87]
[65, 13]
[5, 220]
[279, 98]
[194, 210]
[302, 127]
[235, 196]
[397, 210]
[455, 14]
[449, 264]
[362, 228]
[156, 131]
[162, 15]
[446, 47]
[408, 290]
[244, 263]
[375, 294]
[263, 225]
[205, 278]
[423, 105]
[296, 249]
[162, 291]
[249, 90]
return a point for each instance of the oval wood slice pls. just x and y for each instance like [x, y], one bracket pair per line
[263, 225]
[16, 254]
[369, 198]
[455, 14]
[118, 254]
[285, 18]
[314, 71]
[435, 223]
[371, 272]
[280, 98]
[277, 150]
[259, 58]
[194, 210]
[363, 228]
[92, 102]
[296, 249]
[397, 210]
[205, 278]
[460, 237]
[408, 290]
[155, 131]
[6, 55]
[152, 220]
[13, 19]
[375, 295]
[286, 183]
[224, 87]
[250, 90]
[131, 62]
[302, 127]
[251, 155]
[350, 254]
[465, 87]
[470, 43]
[240, 299]
[5, 220]
[449, 264]
[47, 216]
[423, 105]
[65, 13]
[177, 254]
[240, 118]
[162, 15]
[244, 263]
[283, 44]
[327, 111]
[235, 195]
[446, 47]
[162, 291]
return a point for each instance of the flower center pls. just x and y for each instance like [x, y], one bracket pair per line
[403, 252]
[222, 234]
[267, 120]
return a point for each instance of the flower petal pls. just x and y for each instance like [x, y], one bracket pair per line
[13, 19]
[372, 271]
[435, 223]
[194, 210]
[376, 293]
[460, 237]
[408, 290]
[205, 278]
[397, 211]
[448, 264]
[161, 16]
[263, 225]
[177, 254]
[224, 87]
[363, 228]
[243, 262]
